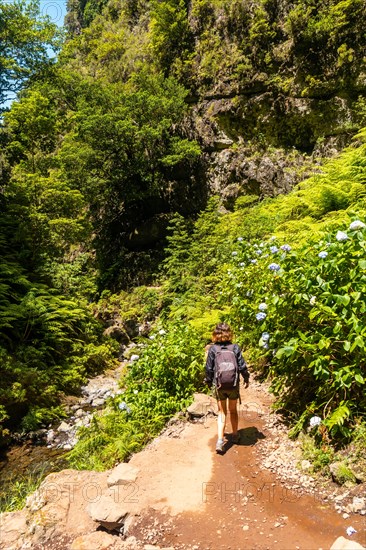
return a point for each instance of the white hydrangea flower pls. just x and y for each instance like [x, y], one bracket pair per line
[341, 236]
[315, 421]
[357, 224]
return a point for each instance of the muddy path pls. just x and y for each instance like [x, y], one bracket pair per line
[196, 499]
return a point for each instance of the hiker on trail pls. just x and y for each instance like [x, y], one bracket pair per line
[223, 364]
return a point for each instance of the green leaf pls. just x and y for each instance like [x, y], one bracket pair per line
[358, 341]
[339, 416]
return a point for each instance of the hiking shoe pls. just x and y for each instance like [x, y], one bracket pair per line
[235, 438]
[220, 446]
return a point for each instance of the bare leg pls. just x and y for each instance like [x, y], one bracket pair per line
[233, 415]
[221, 419]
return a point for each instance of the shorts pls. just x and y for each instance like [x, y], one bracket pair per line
[222, 395]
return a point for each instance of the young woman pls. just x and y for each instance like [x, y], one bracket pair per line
[222, 337]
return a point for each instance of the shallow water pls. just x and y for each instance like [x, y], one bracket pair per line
[23, 464]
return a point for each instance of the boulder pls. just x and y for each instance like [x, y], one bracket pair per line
[345, 544]
[201, 406]
[109, 511]
[123, 474]
[118, 334]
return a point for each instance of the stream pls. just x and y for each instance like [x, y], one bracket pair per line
[44, 451]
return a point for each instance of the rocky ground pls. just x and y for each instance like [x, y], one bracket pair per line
[178, 494]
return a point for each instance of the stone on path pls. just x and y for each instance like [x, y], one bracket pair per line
[202, 405]
[108, 511]
[123, 474]
[345, 544]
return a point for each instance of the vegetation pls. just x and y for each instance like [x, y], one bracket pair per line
[158, 385]
[105, 210]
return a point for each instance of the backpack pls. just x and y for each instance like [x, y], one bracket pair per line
[226, 367]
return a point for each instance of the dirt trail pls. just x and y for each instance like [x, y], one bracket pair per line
[196, 499]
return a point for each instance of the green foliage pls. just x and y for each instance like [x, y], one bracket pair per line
[18, 489]
[319, 456]
[143, 303]
[307, 317]
[157, 386]
[121, 156]
[171, 37]
[25, 37]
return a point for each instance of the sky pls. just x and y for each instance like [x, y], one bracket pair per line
[55, 9]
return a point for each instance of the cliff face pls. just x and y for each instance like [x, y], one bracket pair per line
[274, 78]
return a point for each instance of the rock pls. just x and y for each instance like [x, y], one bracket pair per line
[64, 427]
[50, 436]
[201, 406]
[305, 465]
[98, 402]
[13, 527]
[58, 506]
[359, 471]
[131, 327]
[117, 333]
[345, 544]
[99, 540]
[358, 504]
[108, 511]
[123, 474]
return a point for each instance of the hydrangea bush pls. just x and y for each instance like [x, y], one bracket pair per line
[304, 312]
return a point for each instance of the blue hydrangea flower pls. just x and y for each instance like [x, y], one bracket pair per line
[240, 239]
[265, 336]
[274, 267]
[234, 253]
[323, 254]
[265, 345]
[263, 306]
[273, 238]
[253, 261]
[341, 236]
[242, 264]
[286, 247]
[357, 224]
[261, 316]
[258, 251]
[124, 407]
[273, 249]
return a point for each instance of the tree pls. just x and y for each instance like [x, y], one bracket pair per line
[25, 39]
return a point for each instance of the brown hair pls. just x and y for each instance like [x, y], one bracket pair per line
[222, 333]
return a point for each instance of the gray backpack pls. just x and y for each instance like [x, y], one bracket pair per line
[226, 367]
